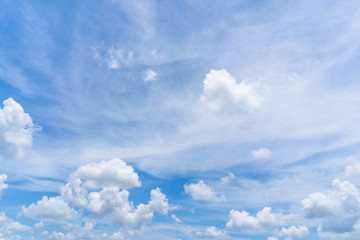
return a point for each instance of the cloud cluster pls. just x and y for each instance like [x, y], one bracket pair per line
[115, 207]
[221, 91]
[101, 189]
[16, 129]
[339, 208]
[263, 219]
[201, 191]
[112, 173]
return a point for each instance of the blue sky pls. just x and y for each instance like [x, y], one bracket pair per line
[179, 119]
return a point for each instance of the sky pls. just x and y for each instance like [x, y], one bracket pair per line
[179, 119]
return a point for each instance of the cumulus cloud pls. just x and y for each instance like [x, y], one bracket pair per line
[261, 153]
[213, 232]
[53, 209]
[16, 129]
[3, 185]
[293, 232]
[99, 188]
[201, 191]
[74, 192]
[264, 218]
[112, 173]
[115, 207]
[222, 91]
[339, 208]
[149, 75]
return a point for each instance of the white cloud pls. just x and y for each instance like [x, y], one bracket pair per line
[176, 219]
[112, 173]
[9, 226]
[16, 129]
[339, 209]
[57, 235]
[353, 170]
[76, 231]
[74, 193]
[149, 75]
[117, 236]
[261, 153]
[293, 232]
[111, 202]
[227, 179]
[113, 58]
[53, 209]
[222, 91]
[213, 232]
[3, 185]
[39, 225]
[201, 191]
[264, 218]
[115, 207]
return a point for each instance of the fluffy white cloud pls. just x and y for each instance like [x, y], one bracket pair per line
[115, 207]
[3, 185]
[222, 91]
[53, 209]
[149, 75]
[112, 173]
[227, 179]
[339, 209]
[293, 232]
[111, 202]
[261, 153]
[201, 191]
[264, 218]
[16, 129]
[74, 193]
[213, 232]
